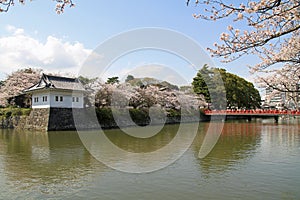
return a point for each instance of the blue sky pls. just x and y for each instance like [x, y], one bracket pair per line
[33, 35]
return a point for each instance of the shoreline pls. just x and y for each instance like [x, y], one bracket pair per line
[60, 119]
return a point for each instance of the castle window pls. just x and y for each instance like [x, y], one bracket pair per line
[45, 98]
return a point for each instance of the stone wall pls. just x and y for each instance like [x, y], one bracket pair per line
[13, 122]
[38, 119]
[53, 119]
[66, 118]
[62, 119]
[50, 119]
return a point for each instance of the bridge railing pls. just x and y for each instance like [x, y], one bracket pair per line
[254, 112]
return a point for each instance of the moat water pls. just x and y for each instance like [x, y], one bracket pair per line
[251, 160]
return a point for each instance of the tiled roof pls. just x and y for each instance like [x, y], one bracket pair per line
[57, 82]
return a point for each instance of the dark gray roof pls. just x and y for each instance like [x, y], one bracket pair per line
[57, 82]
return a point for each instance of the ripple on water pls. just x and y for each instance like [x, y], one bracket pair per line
[250, 161]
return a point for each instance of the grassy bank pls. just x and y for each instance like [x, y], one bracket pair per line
[8, 112]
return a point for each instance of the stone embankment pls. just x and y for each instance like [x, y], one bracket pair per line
[37, 120]
[50, 119]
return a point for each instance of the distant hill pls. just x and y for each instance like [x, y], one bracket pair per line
[151, 81]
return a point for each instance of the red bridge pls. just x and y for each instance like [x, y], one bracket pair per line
[249, 114]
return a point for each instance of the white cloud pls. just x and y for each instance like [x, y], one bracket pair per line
[14, 30]
[19, 50]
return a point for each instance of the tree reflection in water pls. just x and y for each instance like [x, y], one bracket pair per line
[238, 142]
[50, 161]
[250, 159]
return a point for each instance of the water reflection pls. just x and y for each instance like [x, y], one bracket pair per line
[50, 161]
[144, 155]
[287, 134]
[142, 145]
[60, 156]
[238, 142]
[251, 160]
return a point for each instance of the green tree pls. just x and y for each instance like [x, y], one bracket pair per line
[129, 78]
[239, 92]
[113, 80]
[88, 83]
[199, 85]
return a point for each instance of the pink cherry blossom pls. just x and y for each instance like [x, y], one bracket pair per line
[16, 82]
[60, 5]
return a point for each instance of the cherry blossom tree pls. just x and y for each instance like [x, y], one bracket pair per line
[108, 94]
[273, 27]
[124, 95]
[272, 34]
[91, 85]
[285, 80]
[16, 82]
[166, 98]
[60, 5]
